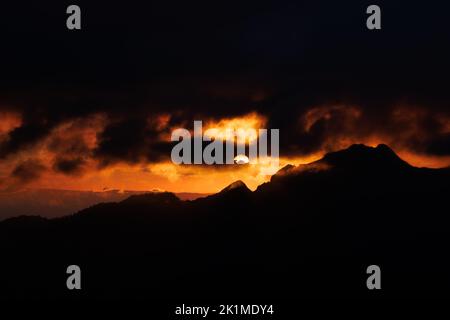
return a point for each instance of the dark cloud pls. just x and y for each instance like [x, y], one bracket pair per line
[28, 170]
[439, 146]
[23, 137]
[69, 166]
[131, 140]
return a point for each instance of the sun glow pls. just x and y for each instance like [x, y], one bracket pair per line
[243, 128]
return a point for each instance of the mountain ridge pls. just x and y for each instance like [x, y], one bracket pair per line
[356, 157]
[290, 232]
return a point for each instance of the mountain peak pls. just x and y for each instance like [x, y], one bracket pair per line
[239, 184]
[285, 169]
[360, 155]
[385, 149]
[151, 198]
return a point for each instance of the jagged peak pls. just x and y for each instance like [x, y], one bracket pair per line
[360, 154]
[285, 169]
[357, 155]
[386, 149]
[239, 184]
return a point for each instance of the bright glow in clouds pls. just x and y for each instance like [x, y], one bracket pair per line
[235, 140]
[241, 159]
[79, 139]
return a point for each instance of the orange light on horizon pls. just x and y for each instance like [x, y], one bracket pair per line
[164, 175]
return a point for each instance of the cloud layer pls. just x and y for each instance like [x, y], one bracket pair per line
[75, 107]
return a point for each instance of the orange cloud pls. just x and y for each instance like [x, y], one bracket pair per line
[65, 158]
[8, 122]
[348, 114]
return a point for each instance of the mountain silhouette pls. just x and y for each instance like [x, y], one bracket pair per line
[361, 156]
[236, 191]
[310, 232]
[237, 185]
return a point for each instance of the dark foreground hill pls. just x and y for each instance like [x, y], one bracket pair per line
[310, 232]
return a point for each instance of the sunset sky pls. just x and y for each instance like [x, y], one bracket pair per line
[94, 109]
